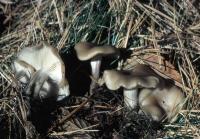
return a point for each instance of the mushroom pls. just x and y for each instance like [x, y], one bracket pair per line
[44, 68]
[130, 82]
[89, 51]
[157, 96]
[161, 103]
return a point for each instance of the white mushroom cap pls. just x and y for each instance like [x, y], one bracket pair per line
[46, 59]
[87, 51]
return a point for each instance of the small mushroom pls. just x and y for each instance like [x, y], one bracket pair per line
[89, 51]
[43, 67]
[157, 96]
[115, 79]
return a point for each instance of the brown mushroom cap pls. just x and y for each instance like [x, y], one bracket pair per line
[86, 51]
[115, 79]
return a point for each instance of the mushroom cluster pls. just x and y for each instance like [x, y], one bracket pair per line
[43, 70]
[89, 51]
[143, 87]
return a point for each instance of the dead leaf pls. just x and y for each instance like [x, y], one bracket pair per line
[163, 66]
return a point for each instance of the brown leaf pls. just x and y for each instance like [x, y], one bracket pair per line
[163, 66]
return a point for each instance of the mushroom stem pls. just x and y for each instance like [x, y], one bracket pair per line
[95, 67]
[130, 98]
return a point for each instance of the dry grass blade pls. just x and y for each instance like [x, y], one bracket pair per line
[86, 129]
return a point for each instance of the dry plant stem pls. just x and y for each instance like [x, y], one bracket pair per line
[95, 67]
[96, 106]
[6, 2]
[86, 129]
[130, 98]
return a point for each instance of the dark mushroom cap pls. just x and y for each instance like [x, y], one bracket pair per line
[86, 51]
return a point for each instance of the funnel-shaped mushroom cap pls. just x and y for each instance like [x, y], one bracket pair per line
[115, 79]
[86, 51]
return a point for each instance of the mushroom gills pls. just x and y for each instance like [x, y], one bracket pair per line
[42, 68]
[42, 86]
[23, 70]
